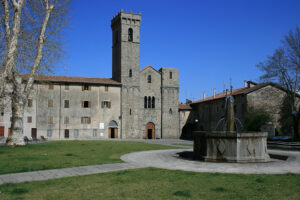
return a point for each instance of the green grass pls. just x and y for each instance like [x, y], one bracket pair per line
[152, 183]
[62, 154]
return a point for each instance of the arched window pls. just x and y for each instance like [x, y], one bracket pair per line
[170, 111]
[130, 73]
[153, 102]
[149, 102]
[145, 102]
[149, 78]
[130, 35]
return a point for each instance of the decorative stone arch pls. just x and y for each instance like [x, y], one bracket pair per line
[150, 130]
[113, 129]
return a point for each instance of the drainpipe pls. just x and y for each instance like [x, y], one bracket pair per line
[59, 117]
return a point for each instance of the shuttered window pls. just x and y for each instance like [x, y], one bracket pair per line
[105, 104]
[86, 87]
[50, 103]
[29, 103]
[66, 103]
[85, 120]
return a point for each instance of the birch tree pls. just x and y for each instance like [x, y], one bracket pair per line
[283, 67]
[30, 43]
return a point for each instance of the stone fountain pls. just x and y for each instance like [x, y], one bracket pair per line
[230, 145]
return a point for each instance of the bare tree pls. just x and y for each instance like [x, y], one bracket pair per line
[283, 67]
[30, 44]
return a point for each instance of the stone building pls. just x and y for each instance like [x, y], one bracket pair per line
[133, 104]
[206, 113]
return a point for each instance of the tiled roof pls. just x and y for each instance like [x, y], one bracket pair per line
[234, 93]
[72, 79]
[184, 107]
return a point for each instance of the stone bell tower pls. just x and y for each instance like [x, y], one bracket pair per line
[126, 48]
[126, 69]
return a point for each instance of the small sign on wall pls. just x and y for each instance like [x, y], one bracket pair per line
[101, 134]
[101, 125]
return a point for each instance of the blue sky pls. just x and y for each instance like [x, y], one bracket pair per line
[211, 42]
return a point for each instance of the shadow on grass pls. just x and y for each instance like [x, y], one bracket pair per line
[183, 193]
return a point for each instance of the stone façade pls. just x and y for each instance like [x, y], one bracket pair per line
[126, 117]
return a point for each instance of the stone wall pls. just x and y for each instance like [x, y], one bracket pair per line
[170, 95]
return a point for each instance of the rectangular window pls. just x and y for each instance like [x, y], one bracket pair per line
[51, 87]
[50, 103]
[49, 133]
[29, 103]
[85, 104]
[95, 132]
[66, 120]
[50, 120]
[106, 88]
[76, 132]
[86, 87]
[106, 104]
[171, 75]
[66, 103]
[66, 86]
[85, 120]
[29, 119]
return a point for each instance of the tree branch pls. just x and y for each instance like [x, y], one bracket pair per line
[39, 55]
[11, 44]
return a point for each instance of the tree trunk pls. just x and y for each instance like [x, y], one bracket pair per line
[17, 107]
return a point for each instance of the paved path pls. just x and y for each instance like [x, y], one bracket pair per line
[167, 159]
[65, 172]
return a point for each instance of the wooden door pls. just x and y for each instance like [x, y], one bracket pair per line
[66, 133]
[2, 128]
[150, 131]
[116, 133]
[33, 133]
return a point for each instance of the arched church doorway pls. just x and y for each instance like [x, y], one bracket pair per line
[113, 129]
[150, 130]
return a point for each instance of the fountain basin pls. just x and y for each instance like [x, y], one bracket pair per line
[230, 146]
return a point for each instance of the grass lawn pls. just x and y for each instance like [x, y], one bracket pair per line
[152, 183]
[61, 154]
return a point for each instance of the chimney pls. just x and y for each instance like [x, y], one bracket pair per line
[231, 89]
[245, 84]
[226, 92]
[214, 92]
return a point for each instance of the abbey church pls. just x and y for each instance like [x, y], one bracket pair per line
[134, 104]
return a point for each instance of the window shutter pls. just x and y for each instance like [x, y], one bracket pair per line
[89, 104]
[89, 87]
[89, 120]
[109, 104]
[82, 104]
[82, 87]
[81, 120]
[102, 104]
